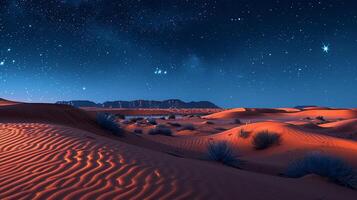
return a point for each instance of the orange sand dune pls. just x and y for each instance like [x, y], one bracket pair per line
[48, 113]
[283, 114]
[41, 161]
[296, 141]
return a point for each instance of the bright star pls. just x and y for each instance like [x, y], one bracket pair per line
[84, 88]
[2, 63]
[325, 48]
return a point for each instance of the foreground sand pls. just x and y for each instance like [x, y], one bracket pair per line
[58, 159]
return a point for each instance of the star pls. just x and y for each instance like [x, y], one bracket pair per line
[84, 88]
[2, 63]
[325, 48]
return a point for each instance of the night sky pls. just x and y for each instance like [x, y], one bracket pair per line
[252, 53]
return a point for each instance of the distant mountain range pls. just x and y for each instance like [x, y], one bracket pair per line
[171, 103]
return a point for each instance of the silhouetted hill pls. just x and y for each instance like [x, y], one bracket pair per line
[171, 103]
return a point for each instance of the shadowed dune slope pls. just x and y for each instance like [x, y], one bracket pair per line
[41, 161]
[48, 113]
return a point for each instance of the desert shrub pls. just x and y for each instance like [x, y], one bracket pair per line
[151, 121]
[120, 116]
[190, 127]
[221, 152]
[209, 122]
[221, 129]
[174, 124]
[237, 121]
[333, 168]
[135, 119]
[126, 121]
[138, 131]
[171, 116]
[160, 130]
[321, 118]
[263, 140]
[162, 118]
[108, 122]
[243, 134]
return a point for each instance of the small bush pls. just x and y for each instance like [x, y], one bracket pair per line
[151, 121]
[160, 130]
[120, 116]
[108, 122]
[263, 140]
[171, 116]
[243, 134]
[190, 127]
[221, 129]
[321, 118]
[174, 124]
[209, 122]
[221, 152]
[237, 121]
[126, 121]
[136, 119]
[138, 131]
[335, 169]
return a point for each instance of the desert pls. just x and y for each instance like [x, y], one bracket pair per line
[52, 151]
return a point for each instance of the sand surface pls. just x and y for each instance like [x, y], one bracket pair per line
[58, 152]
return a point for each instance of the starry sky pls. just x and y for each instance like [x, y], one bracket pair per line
[235, 53]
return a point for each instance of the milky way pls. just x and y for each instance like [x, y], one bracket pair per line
[234, 53]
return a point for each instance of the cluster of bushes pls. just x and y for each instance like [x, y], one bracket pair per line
[109, 122]
[335, 169]
[160, 130]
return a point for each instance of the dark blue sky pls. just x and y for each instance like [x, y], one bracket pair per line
[234, 53]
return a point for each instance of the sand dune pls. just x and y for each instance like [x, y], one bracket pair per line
[41, 161]
[58, 152]
[48, 113]
[297, 141]
[284, 114]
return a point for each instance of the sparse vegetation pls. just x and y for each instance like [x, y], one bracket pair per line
[220, 129]
[264, 139]
[171, 116]
[108, 122]
[160, 130]
[209, 122]
[120, 116]
[138, 131]
[321, 118]
[335, 169]
[174, 124]
[221, 152]
[237, 121]
[190, 127]
[135, 119]
[243, 134]
[151, 121]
